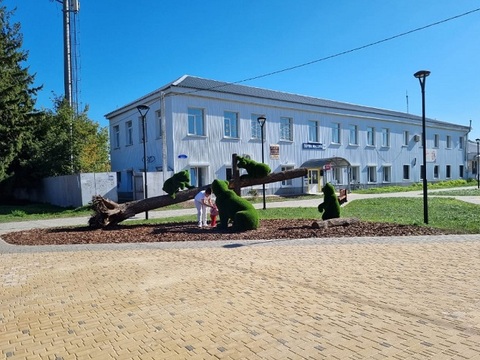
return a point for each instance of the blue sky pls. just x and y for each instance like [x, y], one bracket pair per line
[130, 48]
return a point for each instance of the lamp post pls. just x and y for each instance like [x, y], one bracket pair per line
[143, 110]
[422, 76]
[478, 154]
[261, 120]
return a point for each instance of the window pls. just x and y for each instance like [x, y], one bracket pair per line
[313, 127]
[288, 182]
[460, 171]
[387, 174]
[371, 174]
[370, 136]
[336, 133]
[286, 132]
[436, 172]
[436, 140]
[353, 139]
[198, 176]
[116, 137]
[158, 124]
[337, 175]
[355, 175]
[460, 142]
[406, 138]
[228, 173]
[230, 124]
[129, 133]
[448, 171]
[255, 127]
[421, 172]
[449, 142]
[140, 130]
[195, 122]
[385, 137]
[406, 172]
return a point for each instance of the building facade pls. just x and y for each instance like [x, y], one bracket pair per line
[197, 124]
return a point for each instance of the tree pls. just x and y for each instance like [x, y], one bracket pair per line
[16, 94]
[108, 213]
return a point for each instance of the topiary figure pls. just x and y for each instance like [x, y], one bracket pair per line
[254, 169]
[330, 205]
[233, 207]
[177, 182]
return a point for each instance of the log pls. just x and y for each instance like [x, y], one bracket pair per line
[334, 222]
[108, 213]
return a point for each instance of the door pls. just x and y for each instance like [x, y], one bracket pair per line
[314, 183]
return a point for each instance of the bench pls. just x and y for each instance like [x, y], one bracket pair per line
[342, 197]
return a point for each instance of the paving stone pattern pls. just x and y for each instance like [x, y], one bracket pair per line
[291, 300]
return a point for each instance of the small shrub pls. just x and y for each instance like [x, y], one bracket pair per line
[19, 213]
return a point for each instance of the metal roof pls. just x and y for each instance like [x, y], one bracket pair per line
[191, 84]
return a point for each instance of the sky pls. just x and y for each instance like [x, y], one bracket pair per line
[130, 48]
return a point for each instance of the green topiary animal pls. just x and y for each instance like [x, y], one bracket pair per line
[177, 182]
[254, 169]
[330, 205]
[233, 207]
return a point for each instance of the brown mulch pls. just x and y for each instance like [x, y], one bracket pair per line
[188, 231]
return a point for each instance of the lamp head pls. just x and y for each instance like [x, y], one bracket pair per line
[261, 120]
[478, 141]
[422, 74]
[143, 109]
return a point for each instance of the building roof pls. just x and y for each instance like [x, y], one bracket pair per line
[192, 84]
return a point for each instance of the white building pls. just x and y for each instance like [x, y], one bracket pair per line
[197, 124]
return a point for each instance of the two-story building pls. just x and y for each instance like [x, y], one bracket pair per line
[197, 124]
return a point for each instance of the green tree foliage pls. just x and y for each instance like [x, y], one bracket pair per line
[37, 144]
[16, 94]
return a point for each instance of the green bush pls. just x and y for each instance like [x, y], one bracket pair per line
[232, 207]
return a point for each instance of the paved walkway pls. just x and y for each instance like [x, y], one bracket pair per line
[354, 298]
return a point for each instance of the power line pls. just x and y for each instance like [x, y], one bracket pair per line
[343, 52]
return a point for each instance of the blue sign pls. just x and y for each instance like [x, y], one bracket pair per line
[312, 146]
[182, 156]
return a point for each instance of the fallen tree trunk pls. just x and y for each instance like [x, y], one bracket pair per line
[109, 213]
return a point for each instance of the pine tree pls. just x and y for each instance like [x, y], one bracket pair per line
[16, 95]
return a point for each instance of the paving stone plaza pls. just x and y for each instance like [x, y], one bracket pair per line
[379, 298]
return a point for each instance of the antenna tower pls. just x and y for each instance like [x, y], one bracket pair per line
[70, 52]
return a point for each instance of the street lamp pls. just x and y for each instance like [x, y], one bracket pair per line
[422, 76]
[261, 120]
[478, 154]
[143, 110]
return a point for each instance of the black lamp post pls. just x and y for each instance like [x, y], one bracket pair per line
[422, 76]
[143, 110]
[261, 120]
[478, 154]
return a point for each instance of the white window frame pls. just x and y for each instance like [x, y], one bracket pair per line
[436, 141]
[406, 172]
[436, 172]
[354, 174]
[370, 136]
[386, 173]
[313, 131]
[256, 130]
[385, 137]
[286, 128]
[461, 142]
[288, 182]
[158, 124]
[406, 138]
[449, 142]
[129, 133]
[230, 124]
[371, 174]
[336, 128]
[448, 171]
[353, 134]
[196, 121]
[116, 136]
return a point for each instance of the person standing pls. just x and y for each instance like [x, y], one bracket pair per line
[202, 201]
